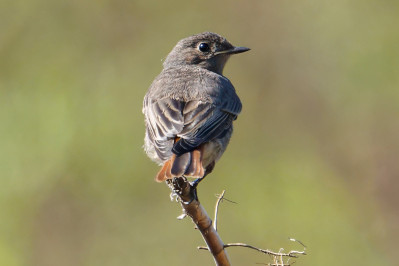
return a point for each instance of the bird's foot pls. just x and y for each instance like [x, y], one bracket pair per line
[196, 182]
[182, 190]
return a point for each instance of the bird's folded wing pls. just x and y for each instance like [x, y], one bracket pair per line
[164, 120]
[204, 122]
[194, 122]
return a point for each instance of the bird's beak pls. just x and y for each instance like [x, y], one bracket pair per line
[234, 50]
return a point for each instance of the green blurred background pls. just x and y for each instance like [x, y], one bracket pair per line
[315, 154]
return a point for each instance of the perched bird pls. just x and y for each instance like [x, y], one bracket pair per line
[190, 107]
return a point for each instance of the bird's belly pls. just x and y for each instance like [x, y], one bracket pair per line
[211, 152]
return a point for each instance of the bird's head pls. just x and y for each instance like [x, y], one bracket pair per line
[206, 50]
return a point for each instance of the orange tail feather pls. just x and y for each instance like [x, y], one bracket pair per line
[165, 171]
[188, 164]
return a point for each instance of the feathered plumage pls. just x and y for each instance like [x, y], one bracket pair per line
[189, 109]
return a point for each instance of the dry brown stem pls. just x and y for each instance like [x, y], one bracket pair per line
[187, 195]
[192, 207]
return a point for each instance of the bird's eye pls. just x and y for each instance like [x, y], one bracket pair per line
[203, 47]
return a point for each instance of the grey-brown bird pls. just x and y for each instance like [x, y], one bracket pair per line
[190, 107]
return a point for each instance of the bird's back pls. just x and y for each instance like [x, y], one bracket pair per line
[190, 107]
[183, 97]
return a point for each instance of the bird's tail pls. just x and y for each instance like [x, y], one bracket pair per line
[188, 164]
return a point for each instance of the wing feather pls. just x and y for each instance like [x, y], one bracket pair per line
[195, 120]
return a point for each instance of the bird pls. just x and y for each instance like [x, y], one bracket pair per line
[190, 107]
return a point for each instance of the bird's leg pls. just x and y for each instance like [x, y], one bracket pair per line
[195, 183]
[208, 170]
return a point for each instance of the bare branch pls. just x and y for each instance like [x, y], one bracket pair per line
[187, 196]
[277, 256]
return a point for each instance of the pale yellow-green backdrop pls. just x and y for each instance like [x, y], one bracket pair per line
[315, 154]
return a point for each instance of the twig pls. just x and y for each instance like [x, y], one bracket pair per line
[187, 195]
[277, 256]
[220, 198]
[292, 253]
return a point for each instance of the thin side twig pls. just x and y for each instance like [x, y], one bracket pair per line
[220, 198]
[277, 256]
[292, 253]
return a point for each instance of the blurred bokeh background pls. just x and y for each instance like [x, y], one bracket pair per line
[315, 154]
